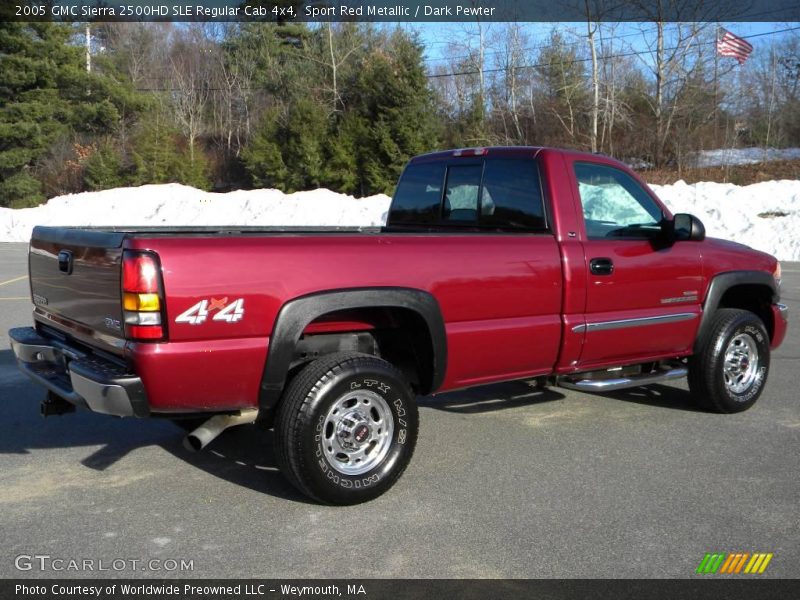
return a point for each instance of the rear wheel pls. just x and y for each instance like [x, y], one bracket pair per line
[346, 428]
[730, 369]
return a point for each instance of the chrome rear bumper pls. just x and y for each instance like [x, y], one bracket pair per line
[79, 378]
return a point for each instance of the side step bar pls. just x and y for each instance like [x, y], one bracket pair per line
[620, 383]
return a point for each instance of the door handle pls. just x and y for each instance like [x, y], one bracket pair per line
[601, 266]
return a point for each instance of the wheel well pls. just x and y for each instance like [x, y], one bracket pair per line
[398, 335]
[754, 298]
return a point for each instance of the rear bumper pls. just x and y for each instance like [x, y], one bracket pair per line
[81, 379]
[780, 317]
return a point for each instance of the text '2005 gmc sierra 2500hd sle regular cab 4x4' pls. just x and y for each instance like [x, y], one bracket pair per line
[495, 264]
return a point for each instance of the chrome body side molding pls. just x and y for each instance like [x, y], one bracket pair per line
[635, 322]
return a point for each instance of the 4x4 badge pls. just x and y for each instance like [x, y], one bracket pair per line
[198, 313]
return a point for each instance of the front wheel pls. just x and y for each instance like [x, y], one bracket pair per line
[730, 370]
[346, 428]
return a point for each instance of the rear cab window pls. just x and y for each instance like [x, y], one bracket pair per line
[491, 194]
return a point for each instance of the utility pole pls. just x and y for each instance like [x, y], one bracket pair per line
[88, 34]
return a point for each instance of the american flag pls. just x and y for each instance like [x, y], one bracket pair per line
[732, 45]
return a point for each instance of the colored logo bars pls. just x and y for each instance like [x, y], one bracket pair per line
[734, 563]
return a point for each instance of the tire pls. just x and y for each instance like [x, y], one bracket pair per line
[729, 372]
[346, 428]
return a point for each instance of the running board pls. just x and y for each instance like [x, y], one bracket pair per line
[610, 385]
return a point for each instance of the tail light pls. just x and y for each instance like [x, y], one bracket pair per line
[142, 296]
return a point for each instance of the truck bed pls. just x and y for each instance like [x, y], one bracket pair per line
[497, 293]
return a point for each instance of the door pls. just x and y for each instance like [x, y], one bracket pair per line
[643, 294]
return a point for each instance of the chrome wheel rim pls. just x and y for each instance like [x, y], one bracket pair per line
[741, 363]
[357, 432]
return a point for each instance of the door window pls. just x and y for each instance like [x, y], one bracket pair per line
[615, 205]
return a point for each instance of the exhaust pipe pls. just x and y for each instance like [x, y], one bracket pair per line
[208, 431]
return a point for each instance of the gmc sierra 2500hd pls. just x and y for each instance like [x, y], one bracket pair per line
[495, 264]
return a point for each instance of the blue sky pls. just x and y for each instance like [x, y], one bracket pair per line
[436, 36]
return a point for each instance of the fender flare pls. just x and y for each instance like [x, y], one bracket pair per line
[722, 283]
[295, 315]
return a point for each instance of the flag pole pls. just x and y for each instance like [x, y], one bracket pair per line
[771, 104]
[716, 86]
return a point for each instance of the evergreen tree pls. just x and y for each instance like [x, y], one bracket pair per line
[263, 158]
[103, 168]
[343, 170]
[391, 93]
[46, 95]
[304, 144]
[158, 157]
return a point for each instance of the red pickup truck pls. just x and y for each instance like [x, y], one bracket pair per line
[495, 264]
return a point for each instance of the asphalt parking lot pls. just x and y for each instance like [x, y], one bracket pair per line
[507, 481]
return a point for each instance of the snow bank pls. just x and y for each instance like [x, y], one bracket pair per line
[765, 215]
[175, 204]
[743, 156]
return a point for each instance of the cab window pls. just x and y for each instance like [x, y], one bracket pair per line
[418, 195]
[461, 194]
[512, 195]
[496, 194]
[615, 204]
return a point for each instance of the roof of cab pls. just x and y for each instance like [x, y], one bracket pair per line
[517, 151]
[511, 151]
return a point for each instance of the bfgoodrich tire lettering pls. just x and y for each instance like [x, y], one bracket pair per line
[729, 371]
[346, 428]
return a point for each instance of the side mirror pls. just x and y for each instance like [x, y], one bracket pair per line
[686, 227]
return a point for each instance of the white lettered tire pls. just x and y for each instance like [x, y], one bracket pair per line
[730, 370]
[346, 428]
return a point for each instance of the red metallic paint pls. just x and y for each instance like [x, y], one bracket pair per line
[223, 374]
[510, 302]
[500, 294]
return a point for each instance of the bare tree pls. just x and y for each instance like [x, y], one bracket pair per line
[192, 66]
[669, 56]
[510, 41]
[592, 24]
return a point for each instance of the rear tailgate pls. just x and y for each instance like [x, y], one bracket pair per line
[75, 274]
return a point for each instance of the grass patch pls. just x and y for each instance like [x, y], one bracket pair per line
[738, 174]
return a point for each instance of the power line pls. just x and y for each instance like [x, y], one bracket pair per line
[583, 60]
[542, 47]
[499, 69]
[580, 41]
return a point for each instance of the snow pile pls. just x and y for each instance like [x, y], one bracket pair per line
[765, 215]
[174, 204]
[743, 156]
